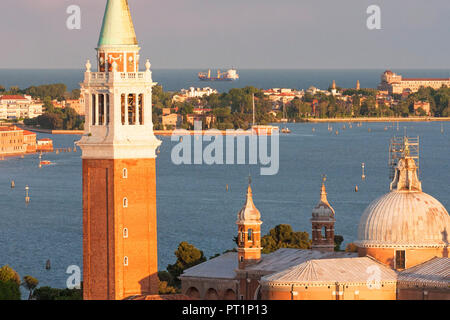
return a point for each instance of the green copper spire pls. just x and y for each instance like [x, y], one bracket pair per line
[117, 28]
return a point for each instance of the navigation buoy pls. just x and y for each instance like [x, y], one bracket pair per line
[356, 188]
[13, 184]
[27, 198]
[227, 187]
[363, 175]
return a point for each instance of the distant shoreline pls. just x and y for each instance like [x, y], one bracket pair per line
[312, 120]
[382, 119]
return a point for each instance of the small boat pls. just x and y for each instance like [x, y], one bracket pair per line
[285, 129]
[45, 163]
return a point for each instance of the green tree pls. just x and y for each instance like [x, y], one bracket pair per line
[9, 284]
[187, 257]
[30, 284]
[48, 293]
[338, 239]
[76, 94]
[351, 247]
[282, 236]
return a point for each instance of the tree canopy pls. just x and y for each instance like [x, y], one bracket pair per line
[282, 236]
[9, 284]
[187, 256]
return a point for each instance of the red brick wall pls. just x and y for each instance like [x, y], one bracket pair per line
[104, 219]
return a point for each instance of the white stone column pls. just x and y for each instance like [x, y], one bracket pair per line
[147, 107]
[96, 109]
[137, 108]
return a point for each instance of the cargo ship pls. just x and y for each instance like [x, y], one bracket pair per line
[229, 75]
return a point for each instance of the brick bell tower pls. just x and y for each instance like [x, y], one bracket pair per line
[323, 220]
[249, 232]
[119, 175]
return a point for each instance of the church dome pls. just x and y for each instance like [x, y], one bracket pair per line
[406, 216]
[410, 219]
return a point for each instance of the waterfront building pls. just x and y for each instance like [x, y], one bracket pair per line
[44, 145]
[422, 106]
[12, 141]
[396, 84]
[76, 104]
[193, 93]
[206, 119]
[16, 141]
[118, 155]
[19, 107]
[402, 254]
[282, 95]
[172, 120]
[29, 138]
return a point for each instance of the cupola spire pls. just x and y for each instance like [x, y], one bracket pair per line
[249, 231]
[406, 177]
[117, 28]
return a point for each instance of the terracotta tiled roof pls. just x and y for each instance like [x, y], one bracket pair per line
[426, 79]
[435, 272]
[332, 270]
[13, 97]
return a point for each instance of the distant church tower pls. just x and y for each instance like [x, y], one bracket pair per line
[333, 88]
[249, 232]
[119, 178]
[322, 221]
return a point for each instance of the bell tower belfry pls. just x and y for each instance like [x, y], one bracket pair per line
[249, 232]
[119, 174]
[322, 221]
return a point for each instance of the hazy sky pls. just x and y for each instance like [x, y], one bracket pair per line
[240, 33]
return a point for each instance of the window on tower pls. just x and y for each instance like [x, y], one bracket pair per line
[101, 109]
[131, 109]
[250, 235]
[324, 232]
[94, 110]
[125, 202]
[141, 109]
[107, 109]
[125, 173]
[400, 261]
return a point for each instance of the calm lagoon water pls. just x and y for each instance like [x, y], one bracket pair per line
[193, 204]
